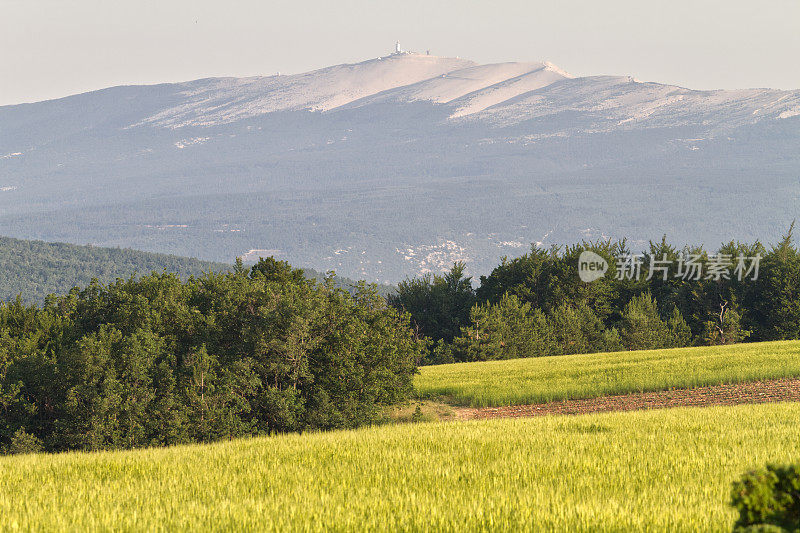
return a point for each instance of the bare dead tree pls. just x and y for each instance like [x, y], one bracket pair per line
[723, 308]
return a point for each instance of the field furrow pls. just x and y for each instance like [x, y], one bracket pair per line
[782, 390]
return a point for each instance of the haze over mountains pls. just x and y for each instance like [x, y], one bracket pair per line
[400, 165]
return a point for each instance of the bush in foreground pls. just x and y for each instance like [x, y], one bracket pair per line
[768, 499]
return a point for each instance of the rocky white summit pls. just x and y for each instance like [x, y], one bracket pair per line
[398, 78]
[503, 93]
[400, 164]
[223, 100]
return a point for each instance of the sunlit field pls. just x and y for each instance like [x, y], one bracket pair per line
[664, 470]
[543, 379]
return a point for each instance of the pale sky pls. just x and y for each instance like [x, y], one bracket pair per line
[53, 48]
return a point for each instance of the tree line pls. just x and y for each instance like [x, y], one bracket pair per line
[537, 304]
[156, 360]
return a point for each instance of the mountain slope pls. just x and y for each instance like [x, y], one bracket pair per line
[220, 101]
[515, 78]
[400, 165]
[613, 103]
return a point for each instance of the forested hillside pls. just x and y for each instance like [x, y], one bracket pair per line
[34, 269]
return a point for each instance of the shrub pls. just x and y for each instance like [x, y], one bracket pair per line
[768, 499]
[22, 442]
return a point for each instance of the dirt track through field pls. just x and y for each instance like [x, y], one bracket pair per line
[782, 390]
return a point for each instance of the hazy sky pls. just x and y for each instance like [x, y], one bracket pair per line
[52, 48]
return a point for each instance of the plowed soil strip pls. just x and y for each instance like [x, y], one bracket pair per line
[782, 390]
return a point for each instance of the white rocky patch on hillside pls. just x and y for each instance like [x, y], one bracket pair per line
[215, 101]
[183, 143]
[606, 103]
[479, 86]
[434, 258]
[501, 94]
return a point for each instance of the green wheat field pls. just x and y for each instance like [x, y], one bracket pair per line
[545, 379]
[664, 470]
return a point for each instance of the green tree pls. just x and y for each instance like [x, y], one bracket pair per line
[775, 299]
[277, 271]
[679, 331]
[439, 305]
[726, 327]
[642, 327]
[577, 329]
[547, 279]
[505, 330]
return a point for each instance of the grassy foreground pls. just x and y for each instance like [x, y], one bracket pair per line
[544, 379]
[666, 470]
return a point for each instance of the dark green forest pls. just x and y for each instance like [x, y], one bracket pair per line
[537, 305]
[35, 269]
[156, 360]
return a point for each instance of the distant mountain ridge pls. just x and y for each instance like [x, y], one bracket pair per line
[507, 92]
[400, 165]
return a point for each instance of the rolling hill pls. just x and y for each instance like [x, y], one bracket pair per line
[537, 380]
[666, 470]
[34, 269]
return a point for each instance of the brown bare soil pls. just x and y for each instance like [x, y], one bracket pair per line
[782, 390]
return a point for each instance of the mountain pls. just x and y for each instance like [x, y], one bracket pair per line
[400, 165]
